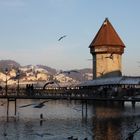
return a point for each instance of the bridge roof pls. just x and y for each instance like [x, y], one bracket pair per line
[113, 81]
[107, 36]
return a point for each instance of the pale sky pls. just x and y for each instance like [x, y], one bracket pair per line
[30, 29]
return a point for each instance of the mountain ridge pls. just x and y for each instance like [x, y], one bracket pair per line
[43, 72]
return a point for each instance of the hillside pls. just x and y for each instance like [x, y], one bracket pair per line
[9, 64]
[41, 73]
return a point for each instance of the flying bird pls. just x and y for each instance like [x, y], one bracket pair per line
[101, 73]
[69, 71]
[26, 105]
[50, 82]
[61, 37]
[39, 105]
[111, 56]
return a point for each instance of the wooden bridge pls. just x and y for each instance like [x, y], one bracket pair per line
[106, 94]
[73, 93]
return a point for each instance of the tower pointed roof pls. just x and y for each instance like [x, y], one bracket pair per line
[107, 36]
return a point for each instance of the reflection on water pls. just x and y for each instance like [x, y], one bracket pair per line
[62, 119]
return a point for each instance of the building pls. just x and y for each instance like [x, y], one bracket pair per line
[107, 49]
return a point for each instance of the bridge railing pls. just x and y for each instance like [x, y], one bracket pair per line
[71, 93]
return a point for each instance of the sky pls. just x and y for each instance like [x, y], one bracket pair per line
[30, 29]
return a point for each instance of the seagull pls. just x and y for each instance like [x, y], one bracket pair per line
[26, 105]
[61, 37]
[111, 56]
[69, 71]
[39, 105]
[101, 73]
[50, 82]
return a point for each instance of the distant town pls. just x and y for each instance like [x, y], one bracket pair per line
[39, 74]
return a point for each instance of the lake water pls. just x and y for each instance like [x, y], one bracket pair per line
[62, 119]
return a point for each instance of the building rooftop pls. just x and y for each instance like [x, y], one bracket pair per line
[107, 36]
[124, 80]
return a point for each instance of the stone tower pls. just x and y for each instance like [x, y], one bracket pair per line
[107, 49]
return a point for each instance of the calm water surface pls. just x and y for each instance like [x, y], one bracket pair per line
[62, 119]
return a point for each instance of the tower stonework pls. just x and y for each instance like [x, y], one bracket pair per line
[107, 49]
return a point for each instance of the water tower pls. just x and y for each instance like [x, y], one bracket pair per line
[107, 49]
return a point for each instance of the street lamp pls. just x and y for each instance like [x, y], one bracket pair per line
[17, 75]
[6, 88]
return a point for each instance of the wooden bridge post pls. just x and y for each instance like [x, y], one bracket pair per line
[86, 109]
[8, 101]
[7, 108]
[82, 109]
[15, 107]
[133, 104]
[122, 103]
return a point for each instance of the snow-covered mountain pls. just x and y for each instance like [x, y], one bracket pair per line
[41, 73]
